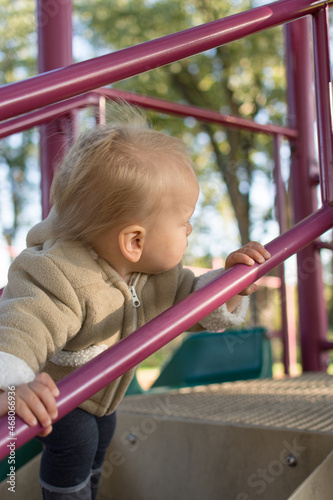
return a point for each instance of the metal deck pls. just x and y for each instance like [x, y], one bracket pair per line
[231, 441]
[302, 403]
[267, 439]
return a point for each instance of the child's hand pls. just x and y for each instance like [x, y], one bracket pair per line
[34, 402]
[248, 254]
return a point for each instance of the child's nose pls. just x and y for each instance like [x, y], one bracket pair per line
[189, 229]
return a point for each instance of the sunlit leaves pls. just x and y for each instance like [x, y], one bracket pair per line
[18, 53]
[18, 40]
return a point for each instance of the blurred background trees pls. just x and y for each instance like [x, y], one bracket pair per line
[18, 154]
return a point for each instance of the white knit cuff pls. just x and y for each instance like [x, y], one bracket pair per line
[221, 317]
[14, 371]
[208, 277]
[78, 358]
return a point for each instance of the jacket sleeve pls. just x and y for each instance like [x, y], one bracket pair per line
[14, 371]
[39, 313]
[220, 318]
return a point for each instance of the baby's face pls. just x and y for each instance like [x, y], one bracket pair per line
[166, 238]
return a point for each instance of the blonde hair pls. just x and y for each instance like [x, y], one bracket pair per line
[116, 174]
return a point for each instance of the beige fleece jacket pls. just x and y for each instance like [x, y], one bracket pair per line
[63, 305]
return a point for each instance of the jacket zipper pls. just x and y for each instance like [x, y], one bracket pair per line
[135, 301]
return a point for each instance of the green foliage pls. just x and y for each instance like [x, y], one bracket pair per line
[17, 62]
[18, 40]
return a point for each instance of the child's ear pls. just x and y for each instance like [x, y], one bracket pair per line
[131, 241]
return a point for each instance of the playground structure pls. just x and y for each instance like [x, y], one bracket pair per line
[50, 100]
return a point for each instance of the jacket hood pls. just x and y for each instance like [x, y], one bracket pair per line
[43, 231]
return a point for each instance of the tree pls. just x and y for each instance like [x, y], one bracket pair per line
[245, 78]
[17, 62]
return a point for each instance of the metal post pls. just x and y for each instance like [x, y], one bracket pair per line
[100, 112]
[323, 90]
[280, 205]
[54, 51]
[287, 293]
[312, 314]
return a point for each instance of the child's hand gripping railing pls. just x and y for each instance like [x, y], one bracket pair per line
[112, 363]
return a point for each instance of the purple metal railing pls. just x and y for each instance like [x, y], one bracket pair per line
[53, 86]
[323, 90]
[280, 204]
[115, 361]
[174, 108]
[67, 82]
[302, 115]
[44, 115]
[54, 111]
[55, 33]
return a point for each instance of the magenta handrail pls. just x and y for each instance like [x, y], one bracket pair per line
[115, 361]
[202, 114]
[54, 111]
[53, 86]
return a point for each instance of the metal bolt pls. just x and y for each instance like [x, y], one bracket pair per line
[291, 460]
[132, 438]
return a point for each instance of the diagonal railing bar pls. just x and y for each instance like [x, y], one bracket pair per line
[45, 115]
[202, 114]
[128, 353]
[47, 88]
[54, 111]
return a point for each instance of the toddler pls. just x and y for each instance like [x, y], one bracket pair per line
[105, 261]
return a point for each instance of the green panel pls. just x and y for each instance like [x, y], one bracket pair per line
[209, 358]
[22, 456]
[134, 387]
